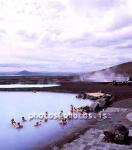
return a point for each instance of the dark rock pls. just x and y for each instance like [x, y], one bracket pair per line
[94, 107]
[130, 78]
[117, 134]
[82, 96]
[86, 109]
[102, 103]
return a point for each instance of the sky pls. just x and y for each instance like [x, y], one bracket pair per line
[64, 35]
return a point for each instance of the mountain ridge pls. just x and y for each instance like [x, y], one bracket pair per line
[124, 69]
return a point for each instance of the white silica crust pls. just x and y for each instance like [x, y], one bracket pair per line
[28, 85]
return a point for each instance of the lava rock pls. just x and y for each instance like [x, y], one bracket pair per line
[116, 134]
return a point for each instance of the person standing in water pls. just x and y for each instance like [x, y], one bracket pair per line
[61, 114]
[71, 108]
[13, 122]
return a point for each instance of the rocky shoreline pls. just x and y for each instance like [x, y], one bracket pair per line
[93, 138]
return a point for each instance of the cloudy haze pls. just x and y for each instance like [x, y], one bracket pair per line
[64, 35]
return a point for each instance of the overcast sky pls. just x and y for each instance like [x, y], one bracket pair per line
[64, 35]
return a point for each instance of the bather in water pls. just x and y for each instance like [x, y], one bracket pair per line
[37, 124]
[18, 125]
[63, 121]
[23, 119]
[13, 122]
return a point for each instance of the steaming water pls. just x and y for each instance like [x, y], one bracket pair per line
[17, 104]
[101, 77]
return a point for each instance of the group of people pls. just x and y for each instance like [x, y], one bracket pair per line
[81, 110]
[62, 119]
[17, 125]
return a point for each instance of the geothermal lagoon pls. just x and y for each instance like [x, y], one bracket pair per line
[18, 104]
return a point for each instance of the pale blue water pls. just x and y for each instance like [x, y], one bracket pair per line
[18, 104]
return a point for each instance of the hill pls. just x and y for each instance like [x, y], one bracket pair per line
[122, 69]
[119, 72]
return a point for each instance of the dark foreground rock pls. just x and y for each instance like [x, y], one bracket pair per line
[117, 134]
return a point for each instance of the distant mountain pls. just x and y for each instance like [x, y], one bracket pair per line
[24, 73]
[29, 73]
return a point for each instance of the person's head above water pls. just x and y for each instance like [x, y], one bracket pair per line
[37, 123]
[18, 124]
[23, 119]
